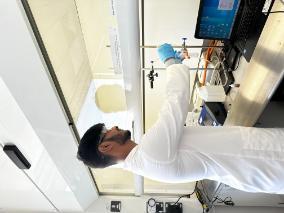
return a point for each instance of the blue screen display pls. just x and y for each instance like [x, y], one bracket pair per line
[217, 18]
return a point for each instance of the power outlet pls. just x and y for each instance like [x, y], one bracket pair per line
[157, 207]
[115, 206]
[171, 208]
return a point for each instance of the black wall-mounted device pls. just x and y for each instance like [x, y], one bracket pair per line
[171, 208]
[16, 156]
[115, 206]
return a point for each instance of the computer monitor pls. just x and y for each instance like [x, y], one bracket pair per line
[216, 19]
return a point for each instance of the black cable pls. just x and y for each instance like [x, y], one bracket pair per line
[227, 201]
[237, 64]
[187, 195]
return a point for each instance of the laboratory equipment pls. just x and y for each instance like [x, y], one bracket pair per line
[151, 76]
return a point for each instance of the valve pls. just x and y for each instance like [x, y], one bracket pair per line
[183, 44]
[151, 76]
[184, 49]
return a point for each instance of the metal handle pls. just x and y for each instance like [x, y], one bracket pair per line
[16, 156]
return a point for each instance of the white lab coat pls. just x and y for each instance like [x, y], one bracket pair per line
[245, 158]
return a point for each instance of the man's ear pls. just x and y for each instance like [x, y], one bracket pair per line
[105, 147]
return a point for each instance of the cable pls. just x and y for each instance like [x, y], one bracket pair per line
[227, 201]
[237, 64]
[215, 79]
[226, 76]
[188, 195]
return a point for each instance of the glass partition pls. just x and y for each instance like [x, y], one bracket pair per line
[76, 35]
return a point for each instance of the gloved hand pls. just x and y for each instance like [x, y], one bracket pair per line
[165, 52]
[181, 55]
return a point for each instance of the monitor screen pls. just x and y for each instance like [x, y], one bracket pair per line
[216, 18]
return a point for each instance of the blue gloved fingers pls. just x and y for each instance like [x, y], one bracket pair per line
[178, 55]
[165, 52]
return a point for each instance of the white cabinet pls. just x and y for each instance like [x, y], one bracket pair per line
[17, 192]
[31, 117]
[16, 129]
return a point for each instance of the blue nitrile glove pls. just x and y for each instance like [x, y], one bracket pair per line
[165, 52]
[178, 55]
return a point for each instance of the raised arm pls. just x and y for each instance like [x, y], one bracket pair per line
[161, 142]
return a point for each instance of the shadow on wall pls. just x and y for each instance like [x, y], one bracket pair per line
[271, 60]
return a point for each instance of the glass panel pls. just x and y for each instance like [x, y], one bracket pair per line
[76, 35]
[60, 30]
[109, 180]
[114, 180]
[151, 186]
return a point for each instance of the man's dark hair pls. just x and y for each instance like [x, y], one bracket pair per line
[88, 149]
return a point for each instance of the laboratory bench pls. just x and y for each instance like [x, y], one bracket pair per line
[260, 78]
[258, 101]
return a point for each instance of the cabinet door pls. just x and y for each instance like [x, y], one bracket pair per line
[17, 191]
[16, 129]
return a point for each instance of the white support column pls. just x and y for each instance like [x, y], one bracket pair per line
[127, 13]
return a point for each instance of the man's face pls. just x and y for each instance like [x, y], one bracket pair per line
[118, 135]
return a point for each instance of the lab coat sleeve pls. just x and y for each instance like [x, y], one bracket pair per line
[161, 142]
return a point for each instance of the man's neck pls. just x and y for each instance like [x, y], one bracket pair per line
[129, 145]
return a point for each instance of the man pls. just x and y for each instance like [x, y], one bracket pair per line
[246, 158]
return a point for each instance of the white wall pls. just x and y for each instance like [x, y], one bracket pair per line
[138, 204]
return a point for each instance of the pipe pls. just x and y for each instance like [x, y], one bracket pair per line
[162, 68]
[178, 46]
